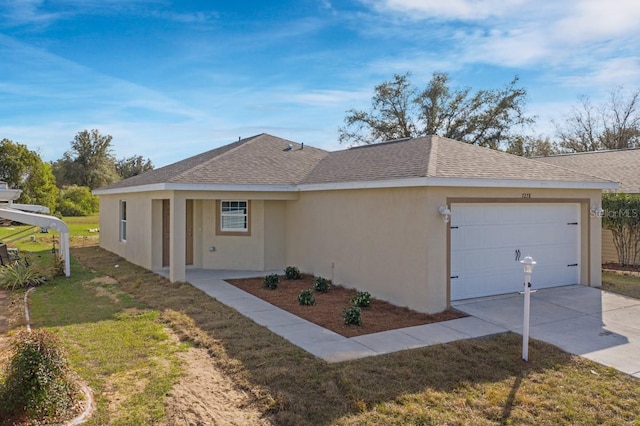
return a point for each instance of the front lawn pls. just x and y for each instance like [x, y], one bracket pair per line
[480, 381]
[622, 283]
[113, 329]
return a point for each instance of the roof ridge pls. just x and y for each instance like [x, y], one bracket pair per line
[600, 151]
[244, 141]
[432, 161]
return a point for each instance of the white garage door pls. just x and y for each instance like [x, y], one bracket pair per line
[489, 240]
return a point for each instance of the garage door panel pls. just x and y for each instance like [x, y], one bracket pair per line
[486, 238]
[483, 260]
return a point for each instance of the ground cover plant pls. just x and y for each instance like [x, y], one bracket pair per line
[327, 311]
[479, 381]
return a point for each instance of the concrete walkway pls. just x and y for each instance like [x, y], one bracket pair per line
[324, 343]
[601, 326]
[598, 325]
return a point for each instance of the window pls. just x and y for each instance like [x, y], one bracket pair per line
[233, 218]
[123, 221]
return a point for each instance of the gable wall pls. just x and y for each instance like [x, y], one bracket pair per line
[374, 240]
[394, 243]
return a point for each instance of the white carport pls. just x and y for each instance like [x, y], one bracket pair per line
[43, 221]
[11, 212]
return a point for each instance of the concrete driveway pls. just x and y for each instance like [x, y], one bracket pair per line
[601, 326]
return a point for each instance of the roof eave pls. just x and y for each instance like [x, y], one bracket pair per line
[194, 187]
[387, 183]
[459, 182]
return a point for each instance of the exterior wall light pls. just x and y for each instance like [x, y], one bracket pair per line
[445, 212]
[528, 264]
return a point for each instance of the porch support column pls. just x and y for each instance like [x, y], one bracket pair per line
[177, 269]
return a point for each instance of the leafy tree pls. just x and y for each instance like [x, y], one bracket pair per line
[622, 216]
[615, 124]
[528, 146]
[133, 166]
[78, 201]
[24, 169]
[399, 109]
[89, 162]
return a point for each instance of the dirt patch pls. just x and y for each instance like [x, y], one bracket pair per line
[105, 279]
[327, 312]
[206, 396]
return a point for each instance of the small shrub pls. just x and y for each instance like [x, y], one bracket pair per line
[320, 284]
[351, 315]
[306, 298]
[271, 281]
[292, 273]
[20, 275]
[38, 381]
[362, 299]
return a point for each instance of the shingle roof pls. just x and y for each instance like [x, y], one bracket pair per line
[258, 160]
[265, 160]
[621, 166]
[434, 156]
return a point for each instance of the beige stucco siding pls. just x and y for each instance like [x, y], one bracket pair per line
[391, 242]
[394, 243]
[233, 252]
[137, 247]
[264, 248]
[275, 234]
[374, 240]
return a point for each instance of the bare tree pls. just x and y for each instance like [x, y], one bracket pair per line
[615, 124]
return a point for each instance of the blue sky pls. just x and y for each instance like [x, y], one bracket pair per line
[170, 79]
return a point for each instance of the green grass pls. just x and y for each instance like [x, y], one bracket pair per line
[478, 381]
[114, 343]
[80, 226]
[36, 245]
[116, 340]
[625, 284]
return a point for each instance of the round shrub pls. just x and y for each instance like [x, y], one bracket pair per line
[320, 284]
[271, 281]
[38, 382]
[351, 315]
[292, 273]
[362, 299]
[306, 298]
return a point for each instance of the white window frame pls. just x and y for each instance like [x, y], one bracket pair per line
[123, 221]
[234, 214]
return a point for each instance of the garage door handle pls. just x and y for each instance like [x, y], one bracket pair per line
[573, 264]
[454, 277]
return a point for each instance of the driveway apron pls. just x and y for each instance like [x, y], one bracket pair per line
[598, 325]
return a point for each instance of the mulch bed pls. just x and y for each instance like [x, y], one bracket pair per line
[619, 267]
[327, 312]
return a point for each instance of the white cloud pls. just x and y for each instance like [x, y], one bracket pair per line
[468, 10]
[597, 21]
[325, 98]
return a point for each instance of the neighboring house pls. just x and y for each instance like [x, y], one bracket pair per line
[621, 166]
[417, 222]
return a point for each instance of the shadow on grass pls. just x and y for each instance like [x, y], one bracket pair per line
[293, 387]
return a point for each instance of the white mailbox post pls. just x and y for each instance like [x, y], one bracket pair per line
[528, 263]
